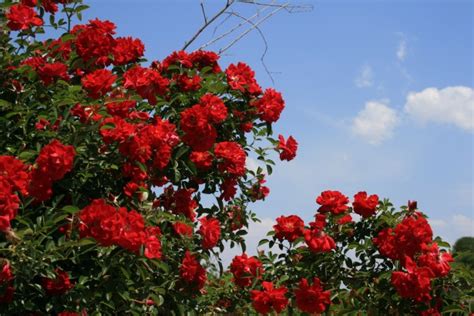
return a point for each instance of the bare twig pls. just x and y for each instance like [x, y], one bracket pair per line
[262, 58]
[289, 8]
[208, 22]
[254, 26]
[203, 11]
[245, 21]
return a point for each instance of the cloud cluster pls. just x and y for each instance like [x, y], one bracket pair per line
[375, 123]
[365, 78]
[451, 105]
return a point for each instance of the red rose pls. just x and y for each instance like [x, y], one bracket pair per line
[216, 109]
[127, 50]
[312, 299]
[148, 83]
[98, 82]
[183, 229]
[50, 72]
[16, 173]
[228, 188]
[55, 160]
[187, 83]
[210, 231]
[94, 41]
[202, 160]
[332, 201]
[6, 282]
[152, 247]
[270, 106]
[434, 259]
[317, 240]
[22, 17]
[269, 298]
[201, 59]
[59, 285]
[364, 205]
[180, 58]
[192, 272]
[414, 284]
[241, 77]
[345, 219]
[245, 269]
[232, 158]
[408, 238]
[198, 132]
[30, 3]
[287, 148]
[289, 227]
[185, 204]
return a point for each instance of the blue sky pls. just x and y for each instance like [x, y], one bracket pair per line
[354, 75]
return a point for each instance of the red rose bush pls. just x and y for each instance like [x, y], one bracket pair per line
[122, 182]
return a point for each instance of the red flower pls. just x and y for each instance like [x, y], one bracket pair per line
[22, 17]
[210, 231]
[185, 204]
[55, 160]
[127, 50]
[269, 299]
[434, 259]
[153, 246]
[15, 172]
[178, 58]
[289, 227]
[312, 299]
[183, 229]
[332, 201]
[187, 83]
[317, 240]
[148, 83]
[6, 274]
[201, 59]
[245, 269]
[232, 158]
[50, 72]
[228, 188]
[30, 3]
[59, 285]
[408, 238]
[414, 284]
[364, 205]
[241, 77]
[345, 219]
[270, 106]
[94, 41]
[202, 160]
[98, 83]
[192, 272]
[288, 148]
[198, 132]
[217, 111]
[236, 217]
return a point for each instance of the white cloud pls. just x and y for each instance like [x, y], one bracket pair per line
[376, 122]
[402, 50]
[452, 105]
[365, 78]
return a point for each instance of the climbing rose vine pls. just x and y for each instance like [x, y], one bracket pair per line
[122, 181]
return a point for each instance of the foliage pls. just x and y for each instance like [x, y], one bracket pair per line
[121, 183]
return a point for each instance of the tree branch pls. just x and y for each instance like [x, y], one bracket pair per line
[207, 23]
[262, 58]
[254, 26]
